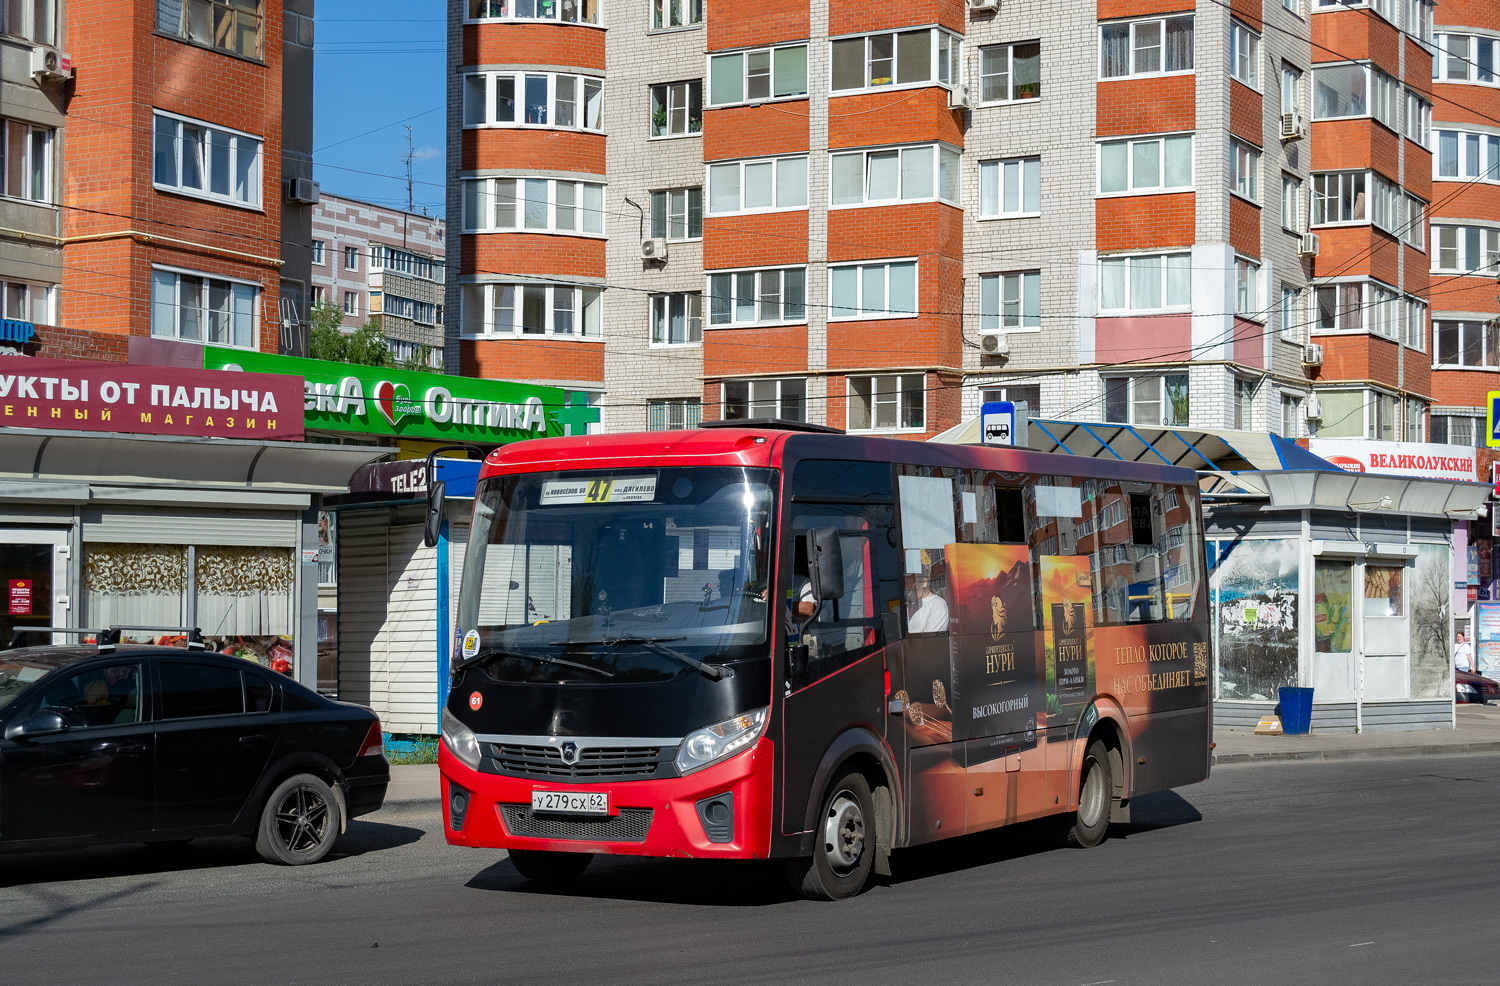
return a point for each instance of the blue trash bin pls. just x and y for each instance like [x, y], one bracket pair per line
[1296, 711]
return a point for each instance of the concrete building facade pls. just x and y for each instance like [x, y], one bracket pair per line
[382, 264]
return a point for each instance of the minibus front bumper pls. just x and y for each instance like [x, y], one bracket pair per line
[722, 811]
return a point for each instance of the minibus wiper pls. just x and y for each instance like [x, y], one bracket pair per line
[543, 658]
[657, 646]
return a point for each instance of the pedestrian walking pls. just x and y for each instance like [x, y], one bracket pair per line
[1463, 653]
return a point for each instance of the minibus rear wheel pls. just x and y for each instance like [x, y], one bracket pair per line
[1095, 792]
[549, 867]
[843, 842]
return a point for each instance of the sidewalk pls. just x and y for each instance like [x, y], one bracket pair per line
[1478, 731]
[413, 785]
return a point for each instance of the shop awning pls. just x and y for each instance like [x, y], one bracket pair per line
[81, 466]
[1372, 493]
[1206, 451]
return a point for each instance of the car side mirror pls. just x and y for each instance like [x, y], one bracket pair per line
[434, 525]
[825, 563]
[43, 723]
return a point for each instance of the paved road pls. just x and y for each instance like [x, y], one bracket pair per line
[1362, 873]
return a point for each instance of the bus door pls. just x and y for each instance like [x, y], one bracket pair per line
[924, 679]
[843, 683]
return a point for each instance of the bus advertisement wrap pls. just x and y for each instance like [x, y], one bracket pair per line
[996, 672]
[1066, 598]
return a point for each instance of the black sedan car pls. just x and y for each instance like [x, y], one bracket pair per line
[153, 744]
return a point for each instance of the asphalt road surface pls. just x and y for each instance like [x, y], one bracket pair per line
[1362, 872]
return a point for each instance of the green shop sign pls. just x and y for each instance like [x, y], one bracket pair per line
[431, 406]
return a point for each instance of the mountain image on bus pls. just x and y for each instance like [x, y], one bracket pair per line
[776, 641]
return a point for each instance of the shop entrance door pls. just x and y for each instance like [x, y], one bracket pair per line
[34, 580]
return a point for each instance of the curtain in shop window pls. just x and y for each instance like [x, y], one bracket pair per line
[244, 591]
[134, 584]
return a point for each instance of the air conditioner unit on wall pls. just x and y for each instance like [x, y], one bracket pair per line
[1308, 246]
[994, 344]
[958, 98]
[1293, 127]
[1313, 408]
[303, 190]
[984, 4]
[1312, 355]
[654, 249]
[50, 65]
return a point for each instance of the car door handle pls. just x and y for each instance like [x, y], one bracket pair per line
[126, 749]
[253, 739]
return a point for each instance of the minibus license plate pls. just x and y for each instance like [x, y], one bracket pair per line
[570, 802]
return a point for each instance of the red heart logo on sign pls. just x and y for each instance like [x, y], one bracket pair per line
[392, 400]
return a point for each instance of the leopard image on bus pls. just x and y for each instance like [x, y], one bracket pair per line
[768, 640]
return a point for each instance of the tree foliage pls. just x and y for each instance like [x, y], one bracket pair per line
[365, 346]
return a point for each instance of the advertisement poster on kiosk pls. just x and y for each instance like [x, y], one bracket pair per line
[1487, 639]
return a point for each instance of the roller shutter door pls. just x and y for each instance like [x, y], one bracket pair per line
[388, 618]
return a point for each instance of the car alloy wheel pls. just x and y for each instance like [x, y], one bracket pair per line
[302, 820]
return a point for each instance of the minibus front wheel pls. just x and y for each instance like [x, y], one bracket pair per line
[843, 842]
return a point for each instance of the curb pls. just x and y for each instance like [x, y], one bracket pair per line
[1372, 753]
[427, 802]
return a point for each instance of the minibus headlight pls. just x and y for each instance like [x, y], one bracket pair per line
[462, 742]
[724, 739]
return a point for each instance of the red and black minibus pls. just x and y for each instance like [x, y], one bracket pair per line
[773, 640]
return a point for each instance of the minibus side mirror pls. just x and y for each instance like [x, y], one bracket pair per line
[825, 563]
[434, 525]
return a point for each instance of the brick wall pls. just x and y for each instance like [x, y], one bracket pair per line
[906, 116]
[1244, 227]
[755, 131]
[494, 255]
[1143, 222]
[856, 16]
[499, 148]
[565, 45]
[1147, 106]
[773, 21]
[1353, 35]
[125, 70]
[755, 240]
[536, 360]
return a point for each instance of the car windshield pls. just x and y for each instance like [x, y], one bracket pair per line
[18, 670]
[615, 575]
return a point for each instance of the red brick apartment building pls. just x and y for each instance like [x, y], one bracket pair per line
[876, 215]
[163, 201]
[1465, 218]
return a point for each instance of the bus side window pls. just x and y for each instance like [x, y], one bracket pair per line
[989, 512]
[843, 631]
[927, 528]
[1112, 565]
[1146, 550]
[1180, 515]
[1060, 527]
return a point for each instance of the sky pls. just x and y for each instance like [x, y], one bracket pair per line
[378, 67]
